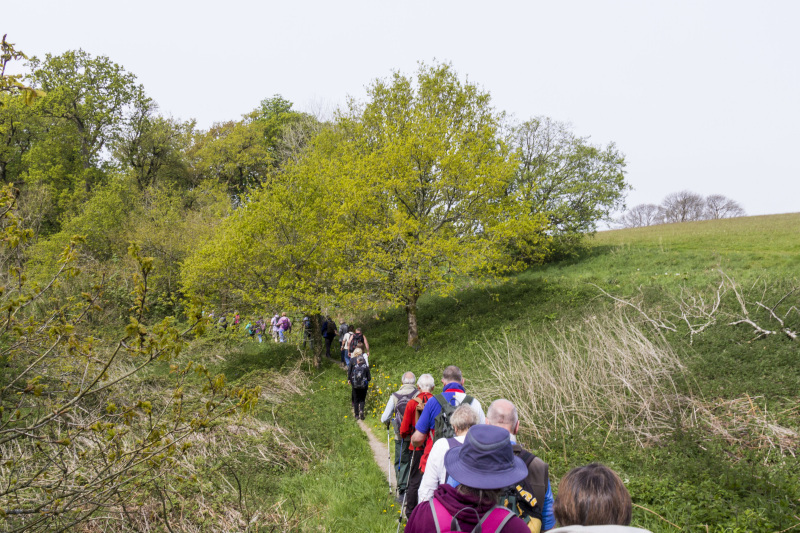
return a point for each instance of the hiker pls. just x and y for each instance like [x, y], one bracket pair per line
[359, 351]
[273, 327]
[222, 323]
[236, 320]
[413, 454]
[463, 418]
[284, 326]
[483, 466]
[358, 377]
[593, 498]
[250, 329]
[393, 414]
[357, 338]
[328, 332]
[308, 332]
[532, 499]
[343, 328]
[345, 346]
[261, 327]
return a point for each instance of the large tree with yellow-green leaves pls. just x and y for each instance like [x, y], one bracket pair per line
[428, 178]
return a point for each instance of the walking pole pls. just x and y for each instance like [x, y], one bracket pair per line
[403, 505]
[389, 456]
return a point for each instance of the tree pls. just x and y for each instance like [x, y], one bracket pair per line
[89, 94]
[642, 215]
[426, 180]
[719, 206]
[153, 147]
[575, 184]
[75, 438]
[683, 206]
[234, 153]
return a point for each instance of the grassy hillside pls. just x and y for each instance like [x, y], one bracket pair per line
[721, 458]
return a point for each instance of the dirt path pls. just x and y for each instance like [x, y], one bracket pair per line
[381, 453]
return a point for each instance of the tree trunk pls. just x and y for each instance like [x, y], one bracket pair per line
[411, 311]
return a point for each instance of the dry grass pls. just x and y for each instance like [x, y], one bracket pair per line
[603, 373]
[606, 374]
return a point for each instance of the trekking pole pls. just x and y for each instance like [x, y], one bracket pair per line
[405, 493]
[389, 457]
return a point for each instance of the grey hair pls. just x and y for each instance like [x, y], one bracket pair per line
[452, 373]
[502, 413]
[408, 378]
[426, 382]
[463, 418]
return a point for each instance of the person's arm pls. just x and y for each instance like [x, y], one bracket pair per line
[433, 470]
[387, 413]
[366, 344]
[418, 438]
[548, 519]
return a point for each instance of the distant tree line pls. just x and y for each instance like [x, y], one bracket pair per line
[683, 206]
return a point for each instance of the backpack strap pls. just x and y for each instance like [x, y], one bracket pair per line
[440, 514]
[443, 403]
[494, 520]
[467, 400]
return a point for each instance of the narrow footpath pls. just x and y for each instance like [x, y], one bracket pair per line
[381, 454]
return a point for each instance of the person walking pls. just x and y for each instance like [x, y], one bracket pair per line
[393, 414]
[482, 467]
[345, 346]
[359, 377]
[328, 332]
[273, 327]
[308, 332]
[261, 326]
[532, 499]
[358, 338]
[463, 418]
[284, 325]
[413, 453]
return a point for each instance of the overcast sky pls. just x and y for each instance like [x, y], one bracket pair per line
[699, 95]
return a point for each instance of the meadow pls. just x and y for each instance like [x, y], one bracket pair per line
[716, 451]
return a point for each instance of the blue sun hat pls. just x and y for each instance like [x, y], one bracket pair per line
[486, 460]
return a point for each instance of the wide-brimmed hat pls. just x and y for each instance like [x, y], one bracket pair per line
[486, 460]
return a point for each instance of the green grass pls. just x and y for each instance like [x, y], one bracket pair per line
[690, 479]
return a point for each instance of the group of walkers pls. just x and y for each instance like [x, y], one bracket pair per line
[459, 469]
[354, 355]
[278, 328]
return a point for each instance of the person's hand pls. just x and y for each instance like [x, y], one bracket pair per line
[387, 424]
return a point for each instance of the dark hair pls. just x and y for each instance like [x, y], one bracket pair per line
[452, 373]
[483, 496]
[592, 495]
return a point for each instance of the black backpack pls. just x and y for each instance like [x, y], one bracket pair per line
[401, 400]
[442, 428]
[330, 329]
[359, 379]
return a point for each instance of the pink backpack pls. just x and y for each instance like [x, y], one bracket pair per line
[492, 522]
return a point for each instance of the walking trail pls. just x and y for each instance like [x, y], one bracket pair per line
[381, 453]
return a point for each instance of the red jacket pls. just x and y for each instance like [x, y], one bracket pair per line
[410, 418]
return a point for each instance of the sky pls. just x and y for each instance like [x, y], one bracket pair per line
[698, 95]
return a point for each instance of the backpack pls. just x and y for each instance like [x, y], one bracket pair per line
[354, 340]
[493, 521]
[330, 329]
[442, 428]
[359, 379]
[526, 498]
[401, 400]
